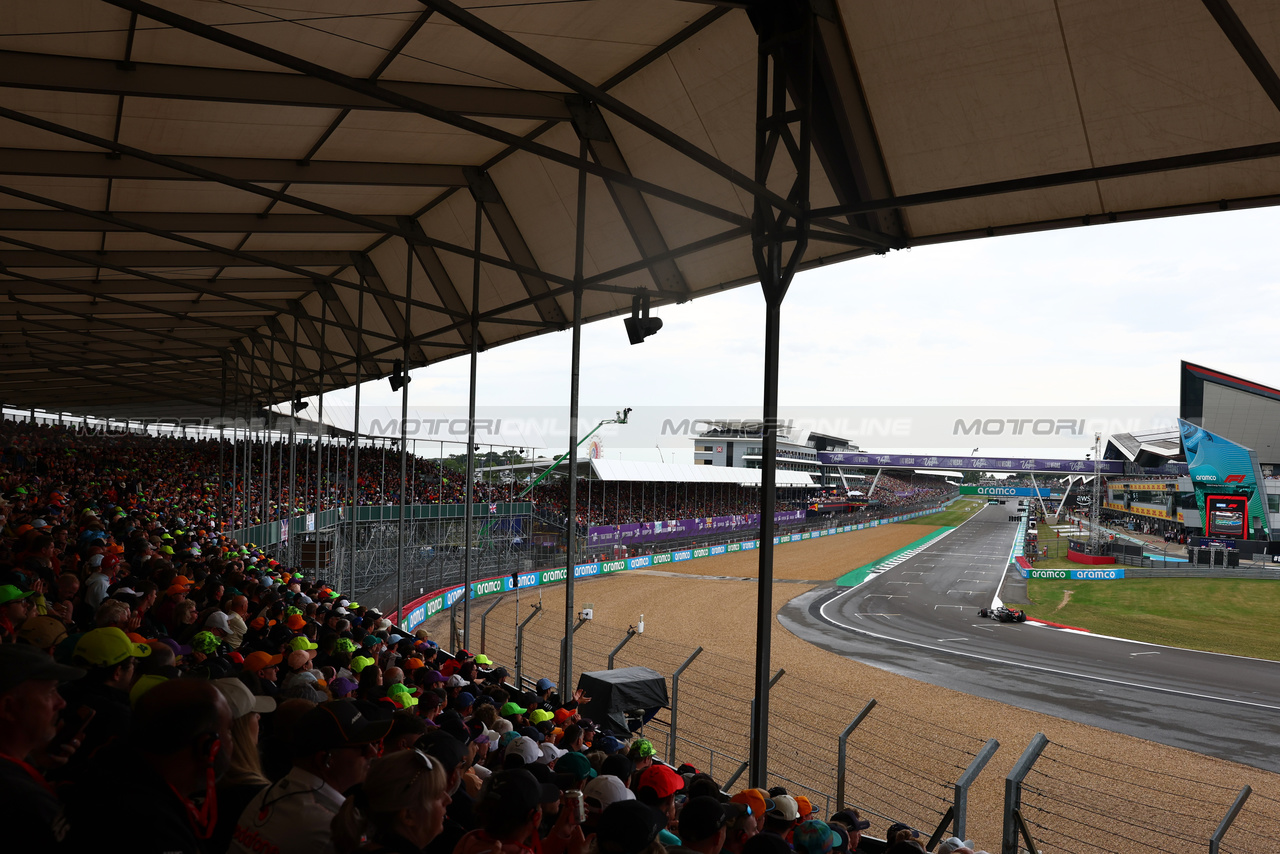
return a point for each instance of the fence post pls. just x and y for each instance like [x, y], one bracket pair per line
[537, 609]
[631, 632]
[453, 625]
[751, 730]
[1013, 823]
[675, 704]
[563, 640]
[1216, 840]
[961, 803]
[842, 750]
[484, 618]
[736, 774]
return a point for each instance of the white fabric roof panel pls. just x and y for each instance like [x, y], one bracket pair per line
[241, 152]
[630, 470]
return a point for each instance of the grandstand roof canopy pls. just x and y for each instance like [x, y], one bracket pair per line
[629, 470]
[218, 199]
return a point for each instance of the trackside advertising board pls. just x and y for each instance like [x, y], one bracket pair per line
[433, 603]
[1077, 574]
[1003, 491]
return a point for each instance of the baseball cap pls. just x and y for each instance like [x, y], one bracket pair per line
[784, 807]
[895, 828]
[951, 843]
[342, 686]
[803, 807]
[545, 684]
[662, 779]
[455, 681]
[256, 662]
[42, 631]
[108, 647]
[701, 819]
[840, 843]
[360, 662]
[444, 747]
[344, 645]
[606, 790]
[526, 748]
[20, 663]
[204, 642]
[218, 620]
[484, 660]
[576, 765]
[851, 818]
[241, 700]
[301, 643]
[516, 792]
[627, 827]
[538, 716]
[641, 748]
[337, 723]
[400, 694]
[810, 837]
[754, 798]
[509, 709]
[10, 593]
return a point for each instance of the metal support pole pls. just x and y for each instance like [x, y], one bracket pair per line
[1215, 841]
[324, 311]
[537, 609]
[575, 364]
[1013, 793]
[961, 803]
[469, 521]
[354, 487]
[784, 82]
[222, 448]
[755, 710]
[1036, 487]
[484, 619]
[404, 443]
[631, 632]
[675, 704]
[842, 751]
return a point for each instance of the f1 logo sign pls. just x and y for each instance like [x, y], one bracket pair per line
[1234, 478]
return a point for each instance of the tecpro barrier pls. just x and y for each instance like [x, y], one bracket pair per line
[418, 611]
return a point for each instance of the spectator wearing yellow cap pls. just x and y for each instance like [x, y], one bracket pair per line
[109, 659]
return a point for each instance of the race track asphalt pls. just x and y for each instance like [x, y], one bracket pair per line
[920, 619]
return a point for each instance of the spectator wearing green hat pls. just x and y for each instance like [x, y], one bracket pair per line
[15, 609]
[109, 659]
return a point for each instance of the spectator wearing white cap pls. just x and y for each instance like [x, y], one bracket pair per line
[245, 778]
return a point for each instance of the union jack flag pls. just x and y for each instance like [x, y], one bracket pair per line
[493, 508]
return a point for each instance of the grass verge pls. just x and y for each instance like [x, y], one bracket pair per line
[956, 512]
[1229, 615]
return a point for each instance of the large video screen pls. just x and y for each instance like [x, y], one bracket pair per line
[1227, 515]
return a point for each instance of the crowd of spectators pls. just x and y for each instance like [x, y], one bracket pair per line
[610, 503]
[895, 491]
[164, 689]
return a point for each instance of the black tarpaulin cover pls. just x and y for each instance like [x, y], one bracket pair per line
[615, 692]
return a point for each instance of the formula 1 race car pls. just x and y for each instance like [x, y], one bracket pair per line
[1004, 615]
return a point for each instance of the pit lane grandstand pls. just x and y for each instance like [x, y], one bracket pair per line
[260, 208]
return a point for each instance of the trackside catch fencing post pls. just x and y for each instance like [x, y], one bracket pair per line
[752, 731]
[1216, 840]
[960, 806]
[842, 745]
[675, 704]
[484, 619]
[1014, 824]
[537, 609]
[564, 643]
[453, 625]
[631, 632]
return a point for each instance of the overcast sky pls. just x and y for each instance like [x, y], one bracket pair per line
[1096, 316]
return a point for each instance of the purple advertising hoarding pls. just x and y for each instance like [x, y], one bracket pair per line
[1010, 464]
[637, 533]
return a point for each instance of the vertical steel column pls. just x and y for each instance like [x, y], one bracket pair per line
[484, 619]
[324, 347]
[575, 366]
[537, 609]
[222, 448]
[470, 497]
[404, 418]
[355, 450]
[779, 240]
